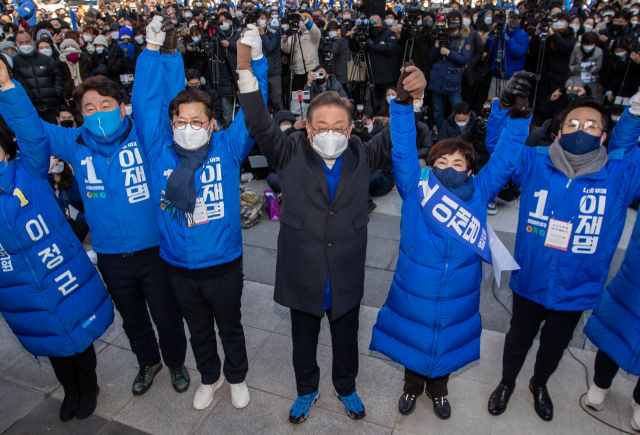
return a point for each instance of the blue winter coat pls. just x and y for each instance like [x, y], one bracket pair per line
[596, 204]
[615, 326]
[51, 295]
[430, 322]
[515, 44]
[159, 78]
[446, 76]
[27, 11]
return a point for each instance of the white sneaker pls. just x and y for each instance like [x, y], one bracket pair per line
[204, 395]
[239, 395]
[635, 420]
[595, 397]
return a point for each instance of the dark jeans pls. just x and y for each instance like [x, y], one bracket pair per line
[379, 185]
[76, 373]
[605, 371]
[133, 283]
[554, 339]
[80, 228]
[344, 339]
[438, 101]
[414, 383]
[274, 182]
[205, 304]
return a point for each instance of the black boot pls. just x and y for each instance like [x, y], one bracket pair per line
[441, 407]
[87, 403]
[542, 401]
[69, 407]
[407, 403]
[500, 398]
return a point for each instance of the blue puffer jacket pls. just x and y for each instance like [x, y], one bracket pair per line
[51, 295]
[446, 76]
[515, 44]
[615, 326]
[595, 204]
[159, 78]
[27, 11]
[430, 322]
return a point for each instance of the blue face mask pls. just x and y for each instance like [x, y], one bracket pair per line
[450, 178]
[579, 142]
[103, 124]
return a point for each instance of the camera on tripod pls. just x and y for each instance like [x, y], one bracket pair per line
[294, 19]
[413, 14]
[500, 20]
[325, 49]
[362, 30]
[251, 14]
[212, 21]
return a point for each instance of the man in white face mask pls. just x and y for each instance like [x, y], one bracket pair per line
[325, 179]
[196, 176]
[46, 89]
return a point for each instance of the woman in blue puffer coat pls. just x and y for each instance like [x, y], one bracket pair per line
[50, 294]
[430, 322]
[615, 329]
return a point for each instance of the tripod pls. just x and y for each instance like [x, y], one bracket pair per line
[367, 91]
[541, 50]
[408, 48]
[295, 36]
[216, 56]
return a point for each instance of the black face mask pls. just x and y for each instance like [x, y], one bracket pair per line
[530, 31]
[67, 123]
[514, 24]
[375, 31]
[453, 27]
[321, 82]
[617, 27]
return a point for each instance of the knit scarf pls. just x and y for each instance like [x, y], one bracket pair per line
[465, 191]
[180, 194]
[573, 165]
[73, 62]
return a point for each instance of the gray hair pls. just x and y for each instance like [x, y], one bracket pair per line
[574, 82]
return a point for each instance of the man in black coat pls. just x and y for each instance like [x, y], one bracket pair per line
[323, 227]
[40, 77]
[559, 46]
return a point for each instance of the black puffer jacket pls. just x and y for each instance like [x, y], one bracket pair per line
[225, 87]
[41, 78]
[541, 137]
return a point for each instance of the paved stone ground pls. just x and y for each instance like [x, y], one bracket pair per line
[30, 396]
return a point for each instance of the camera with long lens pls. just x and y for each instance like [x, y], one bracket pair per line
[359, 126]
[413, 14]
[441, 32]
[486, 112]
[251, 13]
[544, 23]
[212, 20]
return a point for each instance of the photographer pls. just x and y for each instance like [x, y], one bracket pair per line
[475, 57]
[303, 43]
[556, 103]
[618, 28]
[229, 34]
[463, 123]
[381, 45]
[194, 57]
[452, 53]
[123, 56]
[340, 53]
[271, 49]
[423, 42]
[319, 81]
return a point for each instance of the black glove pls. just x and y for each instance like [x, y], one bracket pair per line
[171, 39]
[517, 86]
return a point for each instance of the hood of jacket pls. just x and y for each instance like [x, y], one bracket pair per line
[464, 31]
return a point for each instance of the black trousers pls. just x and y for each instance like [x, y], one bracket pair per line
[554, 339]
[80, 228]
[204, 304]
[76, 373]
[605, 371]
[133, 283]
[414, 383]
[305, 329]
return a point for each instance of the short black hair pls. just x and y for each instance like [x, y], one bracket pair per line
[191, 95]
[561, 16]
[587, 102]
[589, 38]
[461, 109]
[193, 74]
[622, 13]
[101, 85]
[225, 14]
[64, 108]
[453, 15]
[367, 112]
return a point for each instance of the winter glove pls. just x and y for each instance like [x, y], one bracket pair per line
[244, 57]
[635, 105]
[171, 39]
[91, 49]
[517, 86]
[370, 42]
[62, 58]
[575, 68]
[506, 37]
[411, 84]
[155, 35]
[251, 37]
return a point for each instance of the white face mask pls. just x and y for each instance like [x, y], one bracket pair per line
[87, 38]
[128, 110]
[466, 21]
[558, 25]
[239, 15]
[622, 54]
[262, 23]
[114, 35]
[488, 20]
[58, 168]
[575, 27]
[199, 4]
[324, 11]
[388, 22]
[27, 49]
[175, 23]
[588, 48]
[285, 127]
[196, 39]
[225, 26]
[461, 124]
[389, 98]
[331, 145]
[588, 28]
[190, 138]
[346, 17]
[99, 49]
[285, 27]
[333, 34]
[139, 39]
[188, 15]
[47, 52]
[370, 127]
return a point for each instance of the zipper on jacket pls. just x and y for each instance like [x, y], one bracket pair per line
[36, 281]
[570, 180]
[437, 329]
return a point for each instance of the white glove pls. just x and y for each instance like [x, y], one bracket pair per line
[91, 49]
[635, 105]
[252, 38]
[155, 35]
[62, 58]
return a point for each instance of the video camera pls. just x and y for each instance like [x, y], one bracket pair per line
[325, 50]
[251, 14]
[413, 14]
[500, 20]
[362, 30]
[212, 20]
[294, 18]
[441, 31]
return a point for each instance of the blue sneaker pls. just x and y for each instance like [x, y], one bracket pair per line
[300, 408]
[353, 405]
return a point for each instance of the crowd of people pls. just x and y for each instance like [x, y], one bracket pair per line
[134, 125]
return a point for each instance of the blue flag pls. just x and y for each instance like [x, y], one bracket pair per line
[73, 19]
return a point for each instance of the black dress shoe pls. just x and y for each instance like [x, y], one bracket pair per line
[69, 407]
[407, 403]
[542, 402]
[441, 408]
[499, 399]
[87, 403]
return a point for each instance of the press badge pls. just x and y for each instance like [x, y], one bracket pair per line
[558, 234]
[200, 213]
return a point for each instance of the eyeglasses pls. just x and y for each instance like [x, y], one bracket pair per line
[323, 131]
[588, 126]
[196, 125]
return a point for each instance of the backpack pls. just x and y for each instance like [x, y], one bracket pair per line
[250, 207]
